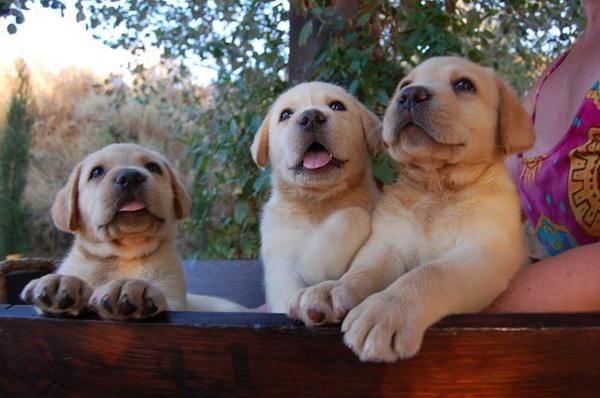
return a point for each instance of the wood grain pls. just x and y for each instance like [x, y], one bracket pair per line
[268, 355]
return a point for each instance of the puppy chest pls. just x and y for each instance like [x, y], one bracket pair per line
[436, 231]
[133, 269]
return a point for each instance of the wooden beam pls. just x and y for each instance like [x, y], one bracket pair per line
[268, 355]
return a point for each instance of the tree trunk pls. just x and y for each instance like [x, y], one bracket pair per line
[301, 57]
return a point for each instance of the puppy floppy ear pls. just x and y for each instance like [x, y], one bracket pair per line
[182, 201]
[372, 129]
[260, 145]
[515, 129]
[65, 209]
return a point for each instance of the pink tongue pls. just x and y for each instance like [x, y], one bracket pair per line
[133, 206]
[315, 160]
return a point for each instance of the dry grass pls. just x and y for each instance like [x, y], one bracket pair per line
[77, 115]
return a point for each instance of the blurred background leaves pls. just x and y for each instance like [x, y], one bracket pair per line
[260, 48]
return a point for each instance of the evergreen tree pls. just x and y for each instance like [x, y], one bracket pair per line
[14, 161]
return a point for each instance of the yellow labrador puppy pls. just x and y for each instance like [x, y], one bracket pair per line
[316, 137]
[122, 203]
[447, 235]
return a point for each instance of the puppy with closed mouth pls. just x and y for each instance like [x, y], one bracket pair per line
[122, 204]
[447, 235]
[317, 139]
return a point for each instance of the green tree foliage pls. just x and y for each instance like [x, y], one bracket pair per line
[247, 43]
[14, 159]
[13, 10]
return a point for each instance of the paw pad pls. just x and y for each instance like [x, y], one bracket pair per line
[126, 307]
[65, 302]
[315, 315]
[106, 304]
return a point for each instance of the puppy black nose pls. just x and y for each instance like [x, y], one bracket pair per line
[413, 96]
[312, 119]
[128, 179]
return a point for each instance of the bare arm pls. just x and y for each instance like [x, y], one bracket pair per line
[568, 282]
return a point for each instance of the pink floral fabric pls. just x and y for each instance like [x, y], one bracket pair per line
[560, 190]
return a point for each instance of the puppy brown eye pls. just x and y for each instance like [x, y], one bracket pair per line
[153, 168]
[337, 106]
[464, 85]
[96, 172]
[286, 114]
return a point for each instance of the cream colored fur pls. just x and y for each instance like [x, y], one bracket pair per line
[447, 235]
[122, 264]
[315, 220]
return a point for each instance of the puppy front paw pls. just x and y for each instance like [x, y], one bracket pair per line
[312, 305]
[327, 302]
[59, 295]
[128, 299]
[383, 329]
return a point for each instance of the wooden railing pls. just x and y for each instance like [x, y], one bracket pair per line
[268, 355]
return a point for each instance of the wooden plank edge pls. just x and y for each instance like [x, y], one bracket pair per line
[280, 321]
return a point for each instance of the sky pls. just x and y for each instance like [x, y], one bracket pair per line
[51, 42]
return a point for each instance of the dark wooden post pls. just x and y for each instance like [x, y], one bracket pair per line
[302, 56]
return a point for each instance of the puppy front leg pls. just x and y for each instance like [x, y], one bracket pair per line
[373, 269]
[390, 325]
[279, 253]
[329, 249]
[282, 283]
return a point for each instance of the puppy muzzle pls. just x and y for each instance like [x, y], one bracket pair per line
[413, 98]
[311, 120]
[128, 180]
[414, 114]
[128, 185]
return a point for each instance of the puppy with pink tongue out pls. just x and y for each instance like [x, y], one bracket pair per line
[318, 139]
[122, 203]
